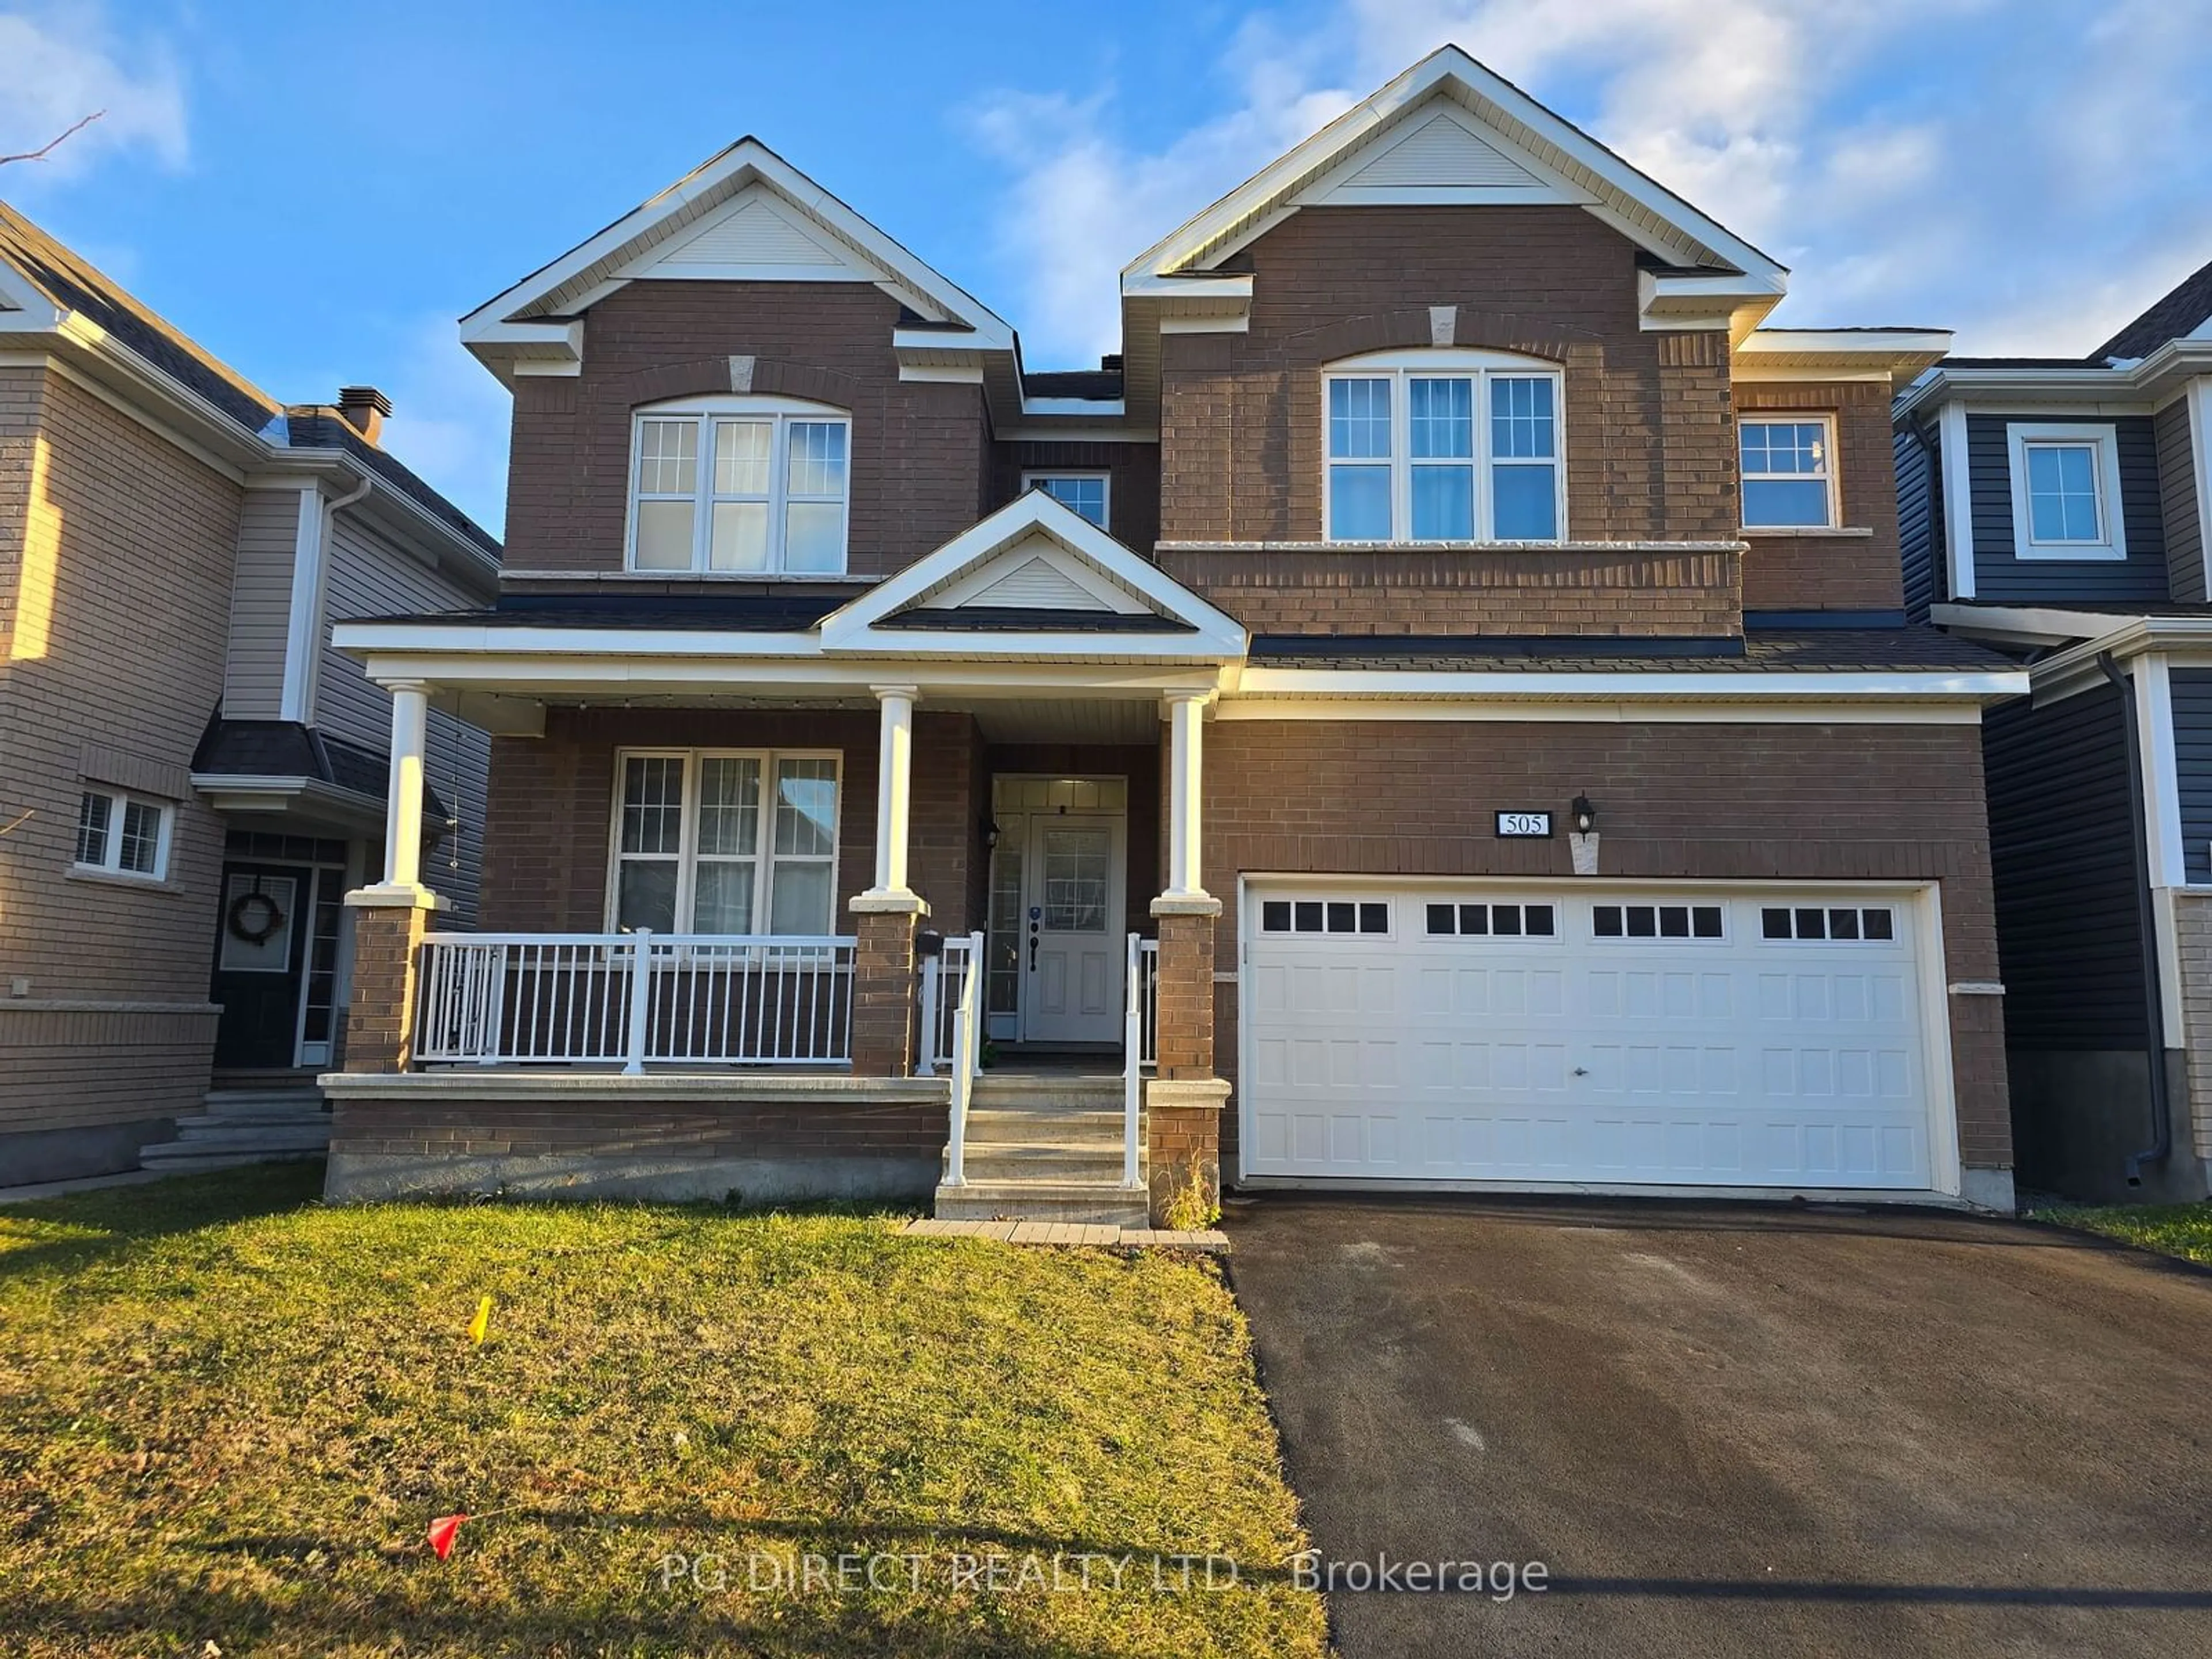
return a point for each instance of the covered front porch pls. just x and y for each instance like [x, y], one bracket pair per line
[758, 915]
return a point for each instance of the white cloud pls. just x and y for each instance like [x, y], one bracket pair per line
[2029, 175]
[449, 419]
[59, 64]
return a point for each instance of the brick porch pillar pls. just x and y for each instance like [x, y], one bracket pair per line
[884, 988]
[1183, 1101]
[379, 1025]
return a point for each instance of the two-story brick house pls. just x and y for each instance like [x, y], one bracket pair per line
[2058, 508]
[1435, 709]
[191, 777]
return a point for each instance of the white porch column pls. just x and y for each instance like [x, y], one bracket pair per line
[1185, 769]
[893, 790]
[403, 806]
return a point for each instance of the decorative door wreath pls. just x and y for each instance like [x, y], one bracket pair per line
[254, 917]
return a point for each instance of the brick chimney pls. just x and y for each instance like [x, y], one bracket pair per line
[1111, 362]
[364, 408]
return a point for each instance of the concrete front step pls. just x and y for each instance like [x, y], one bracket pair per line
[1044, 1160]
[1095, 1202]
[263, 1100]
[1086, 1129]
[182, 1164]
[280, 1137]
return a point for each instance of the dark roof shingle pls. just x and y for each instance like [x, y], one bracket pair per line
[2174, 314]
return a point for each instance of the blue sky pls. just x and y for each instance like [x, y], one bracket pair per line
[316, 192]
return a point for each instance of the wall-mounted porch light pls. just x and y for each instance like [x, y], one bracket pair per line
[1584, 814]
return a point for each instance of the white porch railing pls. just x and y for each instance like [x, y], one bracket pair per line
[967, 1059]
[1140, 1022]
[941, 979]
[633, 999]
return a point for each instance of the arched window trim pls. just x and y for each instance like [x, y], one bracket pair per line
[1486, 463]
[755, 508]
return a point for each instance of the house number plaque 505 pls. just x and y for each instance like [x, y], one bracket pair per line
[1524, 823]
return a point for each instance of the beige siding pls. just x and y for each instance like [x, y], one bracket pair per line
[370, 575]
[115, 554]
[2177, 489]
[261, 604]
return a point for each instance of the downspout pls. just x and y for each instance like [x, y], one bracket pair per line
[303, 629]
[2162, 1115]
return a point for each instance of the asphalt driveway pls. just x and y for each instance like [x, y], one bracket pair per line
[1728, 1429]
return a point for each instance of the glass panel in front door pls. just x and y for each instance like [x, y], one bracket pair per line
[1077, 866]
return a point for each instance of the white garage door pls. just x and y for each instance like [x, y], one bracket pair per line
[1596, 1035]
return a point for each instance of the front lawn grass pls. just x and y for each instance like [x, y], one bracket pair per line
[228, 1414]
[2182, 1230]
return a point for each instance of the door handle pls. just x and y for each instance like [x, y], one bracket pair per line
[1033, 950]
[1582, 1070]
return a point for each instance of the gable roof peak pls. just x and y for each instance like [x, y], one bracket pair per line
[807, 233]
[1523, 137]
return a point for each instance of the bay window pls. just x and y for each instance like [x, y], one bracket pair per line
[740, 485]
[1444, 447]
[725, 842]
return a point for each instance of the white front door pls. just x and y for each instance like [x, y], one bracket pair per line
[1590, 1034]
[1074, 935]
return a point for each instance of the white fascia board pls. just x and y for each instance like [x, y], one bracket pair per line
[1744, 687]
[361, 638]
[1578, 711]
[1882, 343]
[741, 164]
[1487, 94]
[24, 309]
[1095, 409]
[615, 675]
[2090, 385]
[876, 643]
[852, 626]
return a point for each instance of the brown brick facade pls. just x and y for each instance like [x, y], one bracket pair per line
[1451, 591]
[1649, 446]
[552, 805]
[1686, 801]
[918, 447]
[1133, 501]
[1850, 572]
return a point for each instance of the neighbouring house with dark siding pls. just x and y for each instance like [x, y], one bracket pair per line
[1434, 710]
[191, 777]
[2056, 508]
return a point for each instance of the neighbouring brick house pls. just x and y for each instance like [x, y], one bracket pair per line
[1435, 709]
[190, 779]
[2058, 508]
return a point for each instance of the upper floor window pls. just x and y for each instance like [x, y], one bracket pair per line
[740, 485]
[2065, 491]
[124, 835]
[1083, 493]
[1444, 447]
[1789, 472]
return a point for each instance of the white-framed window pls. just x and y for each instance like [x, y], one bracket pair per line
[740, 485]
[725, 841]
[123, 834]
[1789, 468]
[1444, 446]
[2065, 490]
[1085, 493]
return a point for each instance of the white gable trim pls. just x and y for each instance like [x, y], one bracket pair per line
[1440, 154]
[753, 237]
[1082, 553]
[532, 310]
[1535, 136]
[28, 310]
